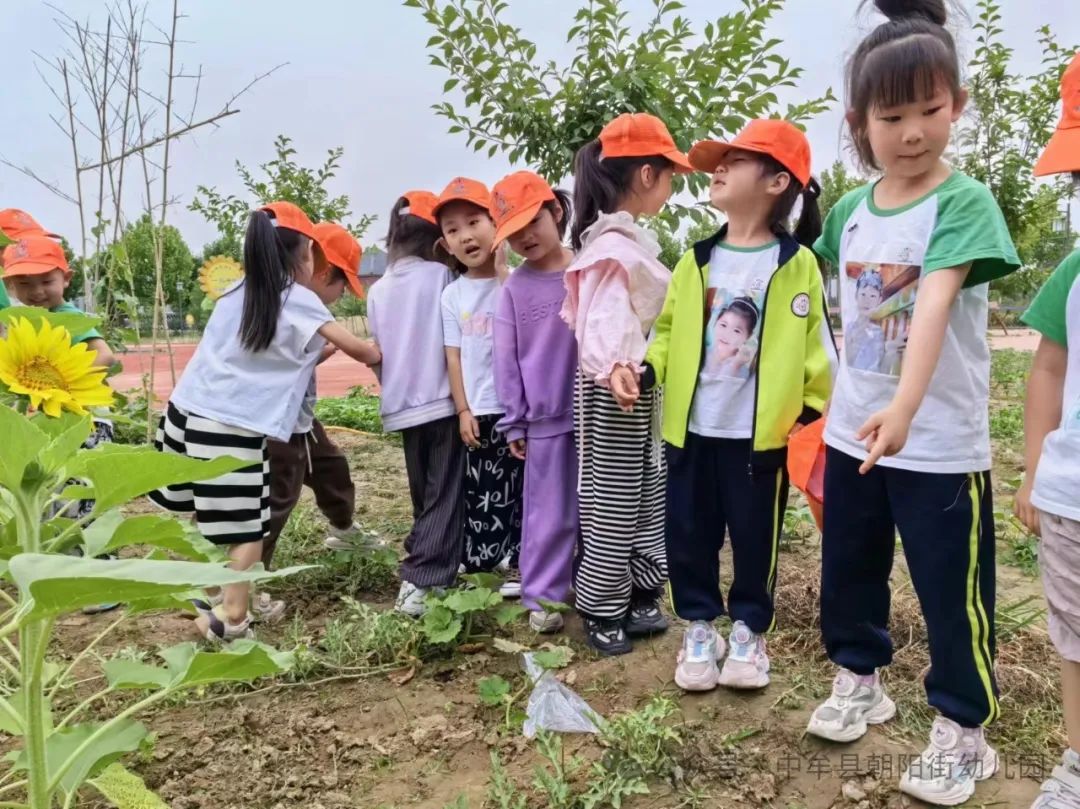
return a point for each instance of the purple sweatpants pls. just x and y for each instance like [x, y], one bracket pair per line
[549, 531]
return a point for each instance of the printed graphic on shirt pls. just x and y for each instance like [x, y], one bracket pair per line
[477, 324]
[881, 300]
[731, 332]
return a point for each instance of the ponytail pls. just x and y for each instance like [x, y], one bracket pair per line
[808, 228]
[269, 265]
[410, 235]
[599, 184]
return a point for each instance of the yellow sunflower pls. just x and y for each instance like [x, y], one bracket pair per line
[53, 373]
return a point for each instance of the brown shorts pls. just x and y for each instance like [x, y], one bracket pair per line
[1059, 558]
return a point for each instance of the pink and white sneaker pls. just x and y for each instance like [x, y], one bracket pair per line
[747, 664]
[696, 669]
[946, 772]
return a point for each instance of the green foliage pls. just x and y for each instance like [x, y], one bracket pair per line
[673, 246]
[1009, 371]
[1007, 422]
[835, 182]
[700, 80]
[283, 179]
[1010, 119]
[125, 790]
[453, 616]
[133, 260]
[359, 410]
[365, 636]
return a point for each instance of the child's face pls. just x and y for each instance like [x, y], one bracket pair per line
[732, 330]
[909, 139]
[539, 238]
[868, 297]
[44, 289]
[738, 180]
[469, 233]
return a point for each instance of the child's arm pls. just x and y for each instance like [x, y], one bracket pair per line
[657, 355]
[1042, 415]
[886, 431]
[509, 385]
[363, 351]
[467, 423]
[105, 358]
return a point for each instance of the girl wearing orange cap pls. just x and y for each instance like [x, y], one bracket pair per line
[493, 476]
[1049, 499]
[908, 441]
[747, 298]
[535, 357]
[615, 291]
[245, 384]
[405, 317]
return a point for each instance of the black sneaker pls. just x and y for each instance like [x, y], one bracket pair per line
[607, 636]
[645, 619]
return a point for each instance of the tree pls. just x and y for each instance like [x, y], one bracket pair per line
[285, 179]
[1010, 118]
[835, 182]
[672, 247]
[542, 113]
[179, 278]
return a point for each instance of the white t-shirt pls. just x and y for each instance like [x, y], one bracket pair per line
[259, 391]
[881, 256]
[723, 404]
[1055, 313]
[468, 311]
[306, 418]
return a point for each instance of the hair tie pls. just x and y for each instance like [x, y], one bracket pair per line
[812, 190]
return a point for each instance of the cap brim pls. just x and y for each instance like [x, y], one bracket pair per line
[707, 154]
[517, 222]
[32, 268]
[681, 161]
[355, 285]
[1062, 154]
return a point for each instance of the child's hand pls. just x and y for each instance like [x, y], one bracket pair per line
[1022, 508]
[376, 355]
[469, 428]
[328, 351]
[517, 448]
[502, 266]
[795, 429]
[885, 433]
[624, 387]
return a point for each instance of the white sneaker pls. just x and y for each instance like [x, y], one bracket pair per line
[410, 600]
[216, 628]
[702, 647]
[946, 772]
[855, 703]
[1062, 789]
[267, 609]
[546, 623]
[747, 664]
[353, 538]
[511, 586]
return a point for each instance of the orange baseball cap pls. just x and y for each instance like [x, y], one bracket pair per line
[34, 255]
[288, 215]
[638, 134]
[422, 204]
[515, 200]
[464, 190]
[343, 251]
[1062, 153]
[780, 140]
[15, 224]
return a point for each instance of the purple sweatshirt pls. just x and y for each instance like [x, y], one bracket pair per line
[535, 356]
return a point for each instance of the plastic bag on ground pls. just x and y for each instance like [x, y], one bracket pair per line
[553, 706]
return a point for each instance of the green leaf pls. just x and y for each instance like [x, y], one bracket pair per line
[74, 322]
[492, 690]
[4, 239]
[552, 606]
[554, 657]
[440, 625]
[508, 613]
[144, 470]
[125, 790]
[59, 583]
[68, 434]
[11, 717]
[111, 532]
[477, 600]
[488, 580]
[243, 661]
[23, 441]
[125, 674]
[62, 744]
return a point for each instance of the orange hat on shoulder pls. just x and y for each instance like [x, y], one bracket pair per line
[422, 204]
[1062, 153]
[15, 224]
[639, 134]
[34, 255]
[780, 140]
[287, 215]
[515, 200]
[462, 189]
[343, 251]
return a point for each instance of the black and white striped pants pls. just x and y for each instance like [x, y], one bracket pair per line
[621, 497]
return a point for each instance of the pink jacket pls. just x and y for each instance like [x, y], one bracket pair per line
[614, 292]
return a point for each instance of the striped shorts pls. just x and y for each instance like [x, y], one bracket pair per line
[230, 509]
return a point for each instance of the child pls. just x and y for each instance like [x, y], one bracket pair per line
[615, 290]
[309, 457]
[908, 448]
[1049, 500]
[405, 316]
[245, 384]
[16, 224]
[535, 356]
[493, 476]
[732, 400]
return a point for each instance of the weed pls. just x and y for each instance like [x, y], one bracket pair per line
[1017, 616]
[364, 637]
[502, 794]
[130, 413]
[1021, 548]
[453, 617]
[799, 525]
[1007, 422]
[1008, 372]
[358, 410]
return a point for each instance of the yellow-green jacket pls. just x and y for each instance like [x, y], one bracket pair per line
[796, 355]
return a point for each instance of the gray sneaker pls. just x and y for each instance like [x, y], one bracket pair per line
[853, 705]
[946, 772]
[1062, 789]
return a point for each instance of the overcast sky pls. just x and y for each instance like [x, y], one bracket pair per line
[358, 76]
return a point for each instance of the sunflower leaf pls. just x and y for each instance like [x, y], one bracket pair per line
[125, 790]
[23, 441]
[73, 322]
